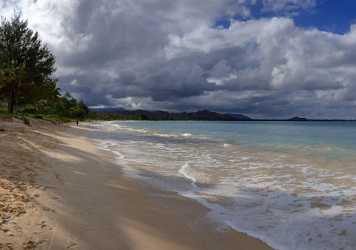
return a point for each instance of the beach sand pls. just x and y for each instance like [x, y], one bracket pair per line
[58, 191]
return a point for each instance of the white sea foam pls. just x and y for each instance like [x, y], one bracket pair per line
[110, 146]
[119, 155]
[184, 170]
[301, 206]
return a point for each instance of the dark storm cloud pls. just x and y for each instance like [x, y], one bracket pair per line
[159, 54]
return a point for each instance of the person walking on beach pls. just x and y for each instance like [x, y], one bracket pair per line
[77, 123]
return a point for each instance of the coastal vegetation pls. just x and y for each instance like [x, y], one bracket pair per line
[202, 115]
[28, 86]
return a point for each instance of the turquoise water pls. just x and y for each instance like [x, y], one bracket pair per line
[290, 184]
[275, 135]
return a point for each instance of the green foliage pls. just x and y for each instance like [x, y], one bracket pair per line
[3, 110]
[4, 113]
[64, 106]
[69, 107]
[26, 75]
[26, 65]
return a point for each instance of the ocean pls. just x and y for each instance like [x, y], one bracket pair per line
[290, 184]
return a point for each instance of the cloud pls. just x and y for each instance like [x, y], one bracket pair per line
[288, 6]
[159, 54]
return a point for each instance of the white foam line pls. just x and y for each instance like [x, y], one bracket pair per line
[183, 171]
[119, 155]
[106, 146]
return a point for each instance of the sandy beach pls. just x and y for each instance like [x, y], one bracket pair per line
[58, 191]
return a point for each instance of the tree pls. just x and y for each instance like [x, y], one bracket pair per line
[26, 64]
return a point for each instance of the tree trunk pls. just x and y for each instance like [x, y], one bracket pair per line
[11, 102]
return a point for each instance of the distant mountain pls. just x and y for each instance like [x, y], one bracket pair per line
[202, 115]
[298, 119]
[108, 110]
[240, 117]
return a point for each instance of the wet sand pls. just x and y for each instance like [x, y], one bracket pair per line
[78, 198]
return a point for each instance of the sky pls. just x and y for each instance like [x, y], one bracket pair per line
[264, 58]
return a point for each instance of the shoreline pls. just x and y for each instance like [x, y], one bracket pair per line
[84, 201]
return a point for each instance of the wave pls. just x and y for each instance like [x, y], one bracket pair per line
[109, 146]
[113, 125]
[184, 170]
[288, 202]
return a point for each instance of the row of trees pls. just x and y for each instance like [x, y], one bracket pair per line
[27, 70]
